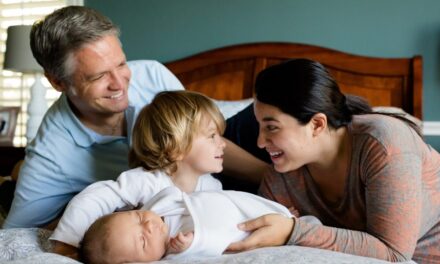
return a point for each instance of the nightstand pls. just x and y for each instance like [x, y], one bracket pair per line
[9, 156]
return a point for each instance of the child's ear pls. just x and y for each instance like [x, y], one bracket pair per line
[177, 157]
[318, 123]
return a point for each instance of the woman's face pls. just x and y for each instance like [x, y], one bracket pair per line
[286, 140]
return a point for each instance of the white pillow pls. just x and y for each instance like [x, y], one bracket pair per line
[230, 108]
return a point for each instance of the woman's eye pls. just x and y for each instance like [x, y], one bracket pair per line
[271, 128]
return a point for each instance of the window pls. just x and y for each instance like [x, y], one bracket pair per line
[14, 87]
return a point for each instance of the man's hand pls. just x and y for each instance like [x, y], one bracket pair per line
[241, 165]
[180, 243]
[52, 225]
[267, 230]
[65, 249]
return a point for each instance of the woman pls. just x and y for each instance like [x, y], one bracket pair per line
[369, 177]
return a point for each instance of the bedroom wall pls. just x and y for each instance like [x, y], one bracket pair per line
[166, 30]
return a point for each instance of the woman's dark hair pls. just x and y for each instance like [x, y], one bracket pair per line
[303, 88]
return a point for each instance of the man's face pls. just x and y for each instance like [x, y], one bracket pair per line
[100, 79]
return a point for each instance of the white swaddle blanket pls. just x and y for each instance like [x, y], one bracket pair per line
[213, 216]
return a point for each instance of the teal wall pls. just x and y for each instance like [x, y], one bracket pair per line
[166, 30]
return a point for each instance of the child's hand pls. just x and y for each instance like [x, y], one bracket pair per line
[180, 243]
[293, 211]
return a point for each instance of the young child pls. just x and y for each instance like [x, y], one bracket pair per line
[171, 137]
[175, 225]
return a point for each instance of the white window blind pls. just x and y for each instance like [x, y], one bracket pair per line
[14, 87]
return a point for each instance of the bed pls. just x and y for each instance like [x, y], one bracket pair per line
[227, 75]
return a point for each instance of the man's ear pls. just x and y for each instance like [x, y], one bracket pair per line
[57, 84]
[318, 123]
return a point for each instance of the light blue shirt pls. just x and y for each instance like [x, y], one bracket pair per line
[66, 156]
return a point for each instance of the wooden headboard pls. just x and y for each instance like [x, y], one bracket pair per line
[229, 73]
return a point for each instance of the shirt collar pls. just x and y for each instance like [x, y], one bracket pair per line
[82, 135]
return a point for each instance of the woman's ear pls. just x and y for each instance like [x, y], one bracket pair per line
[56, 84]
[319, 123]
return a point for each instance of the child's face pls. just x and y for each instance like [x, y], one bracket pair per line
[206, 153]
[137, 236]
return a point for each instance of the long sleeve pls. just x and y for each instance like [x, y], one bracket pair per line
[393, 216]
[391, 178]
[131, 189]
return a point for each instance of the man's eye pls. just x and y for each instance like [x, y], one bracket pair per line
[97, 77]
[123, 64]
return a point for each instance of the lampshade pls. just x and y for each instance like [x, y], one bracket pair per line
[19, 58]
[18, 55]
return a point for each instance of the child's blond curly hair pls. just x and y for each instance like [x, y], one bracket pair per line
[165, 128]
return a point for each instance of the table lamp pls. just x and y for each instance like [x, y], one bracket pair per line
[19, 58]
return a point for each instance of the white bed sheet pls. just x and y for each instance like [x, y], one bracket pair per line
[31, 245]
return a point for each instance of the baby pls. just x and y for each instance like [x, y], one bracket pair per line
[175, 225]
[136, 235]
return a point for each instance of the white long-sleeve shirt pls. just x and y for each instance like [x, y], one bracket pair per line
[213, 215]
[133, 188]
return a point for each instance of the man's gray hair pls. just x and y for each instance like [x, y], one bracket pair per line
[61, 33]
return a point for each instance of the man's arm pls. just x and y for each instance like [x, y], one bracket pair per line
[40, 196]
[65, 249]
[242, 165]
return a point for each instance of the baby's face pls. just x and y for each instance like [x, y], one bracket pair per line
[138, 236]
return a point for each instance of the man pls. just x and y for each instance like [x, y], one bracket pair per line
[85, 135]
